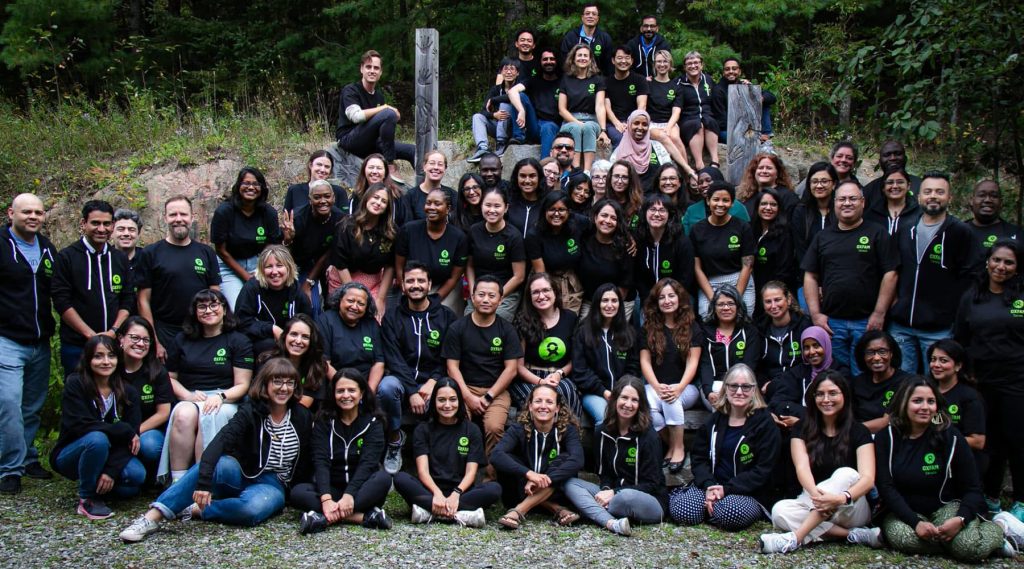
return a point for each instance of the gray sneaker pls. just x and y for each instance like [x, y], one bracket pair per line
[478, 155]
[393, 456]
[502, 146]
[421, 516]
[871, 537]
[779, 542]
[139, 529]
[621, 527]
[471, 518]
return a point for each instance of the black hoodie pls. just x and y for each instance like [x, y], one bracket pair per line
[929, 286]
[559, 458]
[752, 470]
[246, 439]
[785, 394]
[412, 342]
[696, 99]
[260, 309]
[716, 358]
[596, 369]
[25, 300]
[779, 354]
[878, 212]
[80, 416]
[94, 283]
[345, 456]
[632, 461]
[643, 58]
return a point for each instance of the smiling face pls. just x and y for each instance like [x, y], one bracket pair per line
[768, 208]
[739, 391]
[447, 403]
[136, 342]
[828, 398]
[27, 215]
[416, 284]
[878, 356]
[582, 59]
[544, 405]
[377, 203]
[275, 272]
[725, 309]
[371, 70]
[591, 16]
[849, 204]
[821, 185]
[249, 189]
[178, 217]
[638, 127]
[97, 228]
[942, 366]
[281, 389]
[892, 156]
[581, 193]
[347, 394]
[471, 192]
[662, 65]
[434, 167]
[490, 170]
[320, 168]
[609, 305]
[775, 303]
[623, 61]
[353, 306]
[1001, 265]
[922, 406]
[374, 171]
[486, 298]
[627, 405]
[542, 295]
[843, 160]
[694, 67]
[510, 73]
[599, 181]
[321, 199]
[435, 207]
[103, 362]
[210, 313]
[649, 27]
[896, 186]
[766, 173]
[986, 201]
[668, 300]
[719, 203]
[731, 70]
[668, 181]
[126, 235]
[551, 174]
[528, 179]
[813, 352]
[297, 339]
[525, 43]
[619, 176]
[557, 215]
[493, 208]
[934, 196]
[657, 215]
[606, 221]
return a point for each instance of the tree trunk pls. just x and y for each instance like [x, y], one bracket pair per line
[744, 128]
[515, 11]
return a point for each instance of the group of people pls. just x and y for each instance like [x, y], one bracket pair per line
[857, 347]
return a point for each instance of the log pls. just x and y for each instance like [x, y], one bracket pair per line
[426, 92]
[744, 129]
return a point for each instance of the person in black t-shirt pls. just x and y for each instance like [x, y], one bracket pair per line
[366, 124]
[270, 299]
[605, 257]
[149, 377]
[835, 463]
[581, 105]
[127, 229]
[554, 247]
[439, 245]
[364, 247]
[625, 92]
[724, 249]
[496, 249]
[171, 271]
[351, 333]
[947, 364]
[300, 343]
[538, 97]
[449, 450]
[410, 205]
[873, 389]
[309, 233]
[241, 228]
[850, 275]
[482, 352]
[985, 203]
[527, 188]
[320, 166]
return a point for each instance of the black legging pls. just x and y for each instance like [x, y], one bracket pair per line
[479, 496]
[371, 494]
[1003, 441]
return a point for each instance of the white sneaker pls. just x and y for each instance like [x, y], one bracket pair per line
[139, 529]
[421, 516]
[779, 542]
[1013, 528]
[871, 537]
[472, 519]
[621, 527]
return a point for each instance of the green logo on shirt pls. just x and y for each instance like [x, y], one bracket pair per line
[551, 349]
[444, 254]
[631, 455]
[221, 358]
[552, 454]
[762, 254]
[496, 346]
[929, 464]
[261, 235]
[200, 268]
[571, 247]
[632, 90]
[445, 260]
[990, 240]
[463, 447]
[937, 248]
[499, 253]
[591, 89]
[666, 264]
[368, 343]
[597, 49]
[864, 244]
[434, 339]
[887, 399]
[671, 94]
[954, 409]
[794, 349]
[745, 453]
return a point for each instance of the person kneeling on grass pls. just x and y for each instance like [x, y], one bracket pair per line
[348, 445]
[449, 451]
[245, 471]
[536, 456]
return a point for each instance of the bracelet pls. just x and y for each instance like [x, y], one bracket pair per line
[849, 497]
[325, 500]
[457, 490]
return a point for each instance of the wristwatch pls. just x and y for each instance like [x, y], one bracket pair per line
[488, 397]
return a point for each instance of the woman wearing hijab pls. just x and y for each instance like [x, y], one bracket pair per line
[642, 155]
[786, 395]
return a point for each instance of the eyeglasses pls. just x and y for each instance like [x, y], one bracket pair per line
[848, 199]
[278, 382]
[467, 188]
[824, 182]
[212, 307]
[725, 305]
[136, 339]
[541, 291]
[881, 352]
[249, 185]
[620, 177]
[740, 387]
[559, 210]
[833, 395]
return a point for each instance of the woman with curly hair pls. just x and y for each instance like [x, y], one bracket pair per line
[766, 171]
[364, 247]
[537, 455]
[666, 337]
[301, 344]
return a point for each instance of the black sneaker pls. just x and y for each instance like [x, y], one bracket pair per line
[94, 509]
[10, 484]
[312, 522]
[376, 519]
[36, 471]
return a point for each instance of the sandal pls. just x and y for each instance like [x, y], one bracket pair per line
[566, 517]
[715, 165]
[512, 519]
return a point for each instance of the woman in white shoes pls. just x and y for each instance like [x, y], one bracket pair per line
[835, 464]
[449, 451]
[246, 469]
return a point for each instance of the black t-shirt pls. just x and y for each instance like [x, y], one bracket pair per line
[440, 256]
[206, 364]
[354, 94]
[560, 252]
[673, 363]
[175, 274]
[599, 264]
[494, 253]
[297, 197]
[410, 206]
[721, 248]
[244, 236]
[655, 261]
[662, 99]
[370, 256]
[582, 93]
[871, 400]
[966, 408]
[358, 346]
[313, 237]
[151, 393]
[984, 237]
[830, 461]
[482, 352]
[555, 350]
[543, 94]
[449, 448]
[623, 93]
[850, 264]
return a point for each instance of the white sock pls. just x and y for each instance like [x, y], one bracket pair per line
[176, 475]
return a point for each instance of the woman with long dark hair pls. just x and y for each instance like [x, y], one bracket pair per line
[626, 189]
[470, 194]
[605, 256]
[815, 210]
[300, 343]
[144, 372]
[663, 251]
[899, 208]
[554, 246]
[948, 367]
[775, 258]
[364, 247]
[527, 190]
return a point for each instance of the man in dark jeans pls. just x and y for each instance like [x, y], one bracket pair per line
[366, 123]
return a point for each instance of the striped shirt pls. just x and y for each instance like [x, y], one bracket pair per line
[284, 447]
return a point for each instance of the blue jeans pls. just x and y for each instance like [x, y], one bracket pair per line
[595, 406]
[638, 506]
[314, 294]
[390, 396]
[237, 500]
[24, 380]
[150, 447]
[585, 132]
[914, 344]
[230, 282]
[614, 135]
[84, 460]
[69, 357]
[484, 125]
[845, 335]
[766, 125]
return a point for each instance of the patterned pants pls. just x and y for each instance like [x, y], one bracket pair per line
[734, 512]
[974, 543]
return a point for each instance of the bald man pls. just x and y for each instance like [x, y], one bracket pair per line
[26, 270]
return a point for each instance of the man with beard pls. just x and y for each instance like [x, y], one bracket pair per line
[643, 47]
[599, 41]
[171, 272]
[891, 157]
[731, 74]
[413, 334]
[937, 262]
[562, 150]
[987, 226]
[535, 99]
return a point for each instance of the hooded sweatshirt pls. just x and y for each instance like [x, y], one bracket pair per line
[560, 458]
[716, 358]
[345, 456]
[95, 283]
[632, 461]
[878, 212]
[643, 53]
[412, 342]
[753, 457]
[25, 300]
[781, 353]
[595, 369]
[260, 309]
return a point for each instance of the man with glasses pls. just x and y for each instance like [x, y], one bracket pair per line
[562, 150]
[171, 272]
[850, 275]
[535, 99]
[599, 41]
[643, 47]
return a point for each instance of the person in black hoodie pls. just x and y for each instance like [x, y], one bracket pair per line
[775, 258]
[270, 299]
[99, 430]
[26, 269]
[786, 394]
[247, 469]
[300, 343]
[347, 447]
[495, 118]
[781, 326]
[629, 465]
[734, 454]
[647, 43]
[663, 251]
[91, 290]
[604, 350]
[697, 125]
[412, 334]
[928, 482]
[938, 261]
[528, 189]
[726, 337]
[590, 35]
[537, 455]
[896, 207]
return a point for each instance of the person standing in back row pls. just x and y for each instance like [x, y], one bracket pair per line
[599, 41]
[644, 46]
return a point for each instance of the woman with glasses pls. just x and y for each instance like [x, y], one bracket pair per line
[733, 456]
[815, 210]
[144, 372]
[663, 251]
[726, 337]
[554, 247]
[879, 356]
[245, 473]
[470, 195]
[599, 178]
[835, 463]
[899, 208]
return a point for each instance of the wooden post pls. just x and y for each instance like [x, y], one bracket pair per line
[426, 92]
[744, 128]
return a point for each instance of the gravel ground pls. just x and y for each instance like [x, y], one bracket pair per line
[40, 529]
